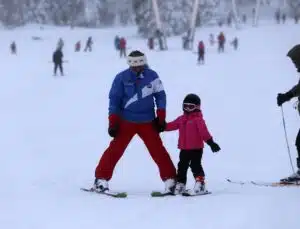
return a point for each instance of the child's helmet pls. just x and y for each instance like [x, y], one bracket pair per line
[191, 103]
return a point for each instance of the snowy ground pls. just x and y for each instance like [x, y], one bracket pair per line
[54, 132]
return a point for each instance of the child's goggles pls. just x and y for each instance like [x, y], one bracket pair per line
[189, 107]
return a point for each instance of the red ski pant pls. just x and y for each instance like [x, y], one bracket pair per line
[118, 145]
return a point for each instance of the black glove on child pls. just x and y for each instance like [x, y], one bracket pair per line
[214, 146]
[282, 98]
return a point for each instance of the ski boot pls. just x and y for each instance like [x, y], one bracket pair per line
[170, 185]
[179, 188]
[294, 178]
[200, 185]
[100, 185]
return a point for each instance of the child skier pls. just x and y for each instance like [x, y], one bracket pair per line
[193, 133]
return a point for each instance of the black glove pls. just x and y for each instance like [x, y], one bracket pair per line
[159, 125]
[282, 98]
[113, 131]
[214, 146]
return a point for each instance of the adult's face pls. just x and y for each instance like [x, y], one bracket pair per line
[138, 69]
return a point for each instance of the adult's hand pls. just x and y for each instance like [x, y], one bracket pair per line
[114, 123]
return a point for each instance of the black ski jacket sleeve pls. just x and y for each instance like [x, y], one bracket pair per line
[295, 91]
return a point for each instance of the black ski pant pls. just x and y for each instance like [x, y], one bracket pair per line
[221, 47]
[58, 65]
[201, 57]
[189, 158]
[298, 149]
[123, 52]
[88, 48]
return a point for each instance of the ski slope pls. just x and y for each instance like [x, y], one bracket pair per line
[54, 130]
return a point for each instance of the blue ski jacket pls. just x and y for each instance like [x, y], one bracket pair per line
[133, 97]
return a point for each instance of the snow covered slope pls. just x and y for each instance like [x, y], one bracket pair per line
[54, 130]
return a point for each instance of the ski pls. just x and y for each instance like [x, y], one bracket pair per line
[265, 184]
[106, 193]
[275, 184]
[188, 193]
[161, 194]
[185, 193]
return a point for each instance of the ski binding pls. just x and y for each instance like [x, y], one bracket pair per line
[107, 192]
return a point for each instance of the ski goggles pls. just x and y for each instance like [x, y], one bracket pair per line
[189, 107]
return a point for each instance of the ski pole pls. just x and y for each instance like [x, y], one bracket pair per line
[286, 139]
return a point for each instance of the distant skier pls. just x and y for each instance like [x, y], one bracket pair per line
[201, 52]
[151, 43]
[244, 18]
[277, 16]
[229, 20]
[132, 112]
[13, 48]
[88, 46]
[253, 16]
[283, 18]
[58, 62]
[296, 18]
[235, 43]
[294, 55]
[60, 44]
[122, 47]
[186, 40]
[185, 43]
[221, 42]
[117, 43]
[159, 35]
[78, 46]
[211, 39]
[193, 133]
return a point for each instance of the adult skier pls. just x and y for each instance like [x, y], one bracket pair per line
[132, 99]
[294, 55]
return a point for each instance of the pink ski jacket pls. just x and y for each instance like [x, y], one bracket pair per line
[193, 131]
